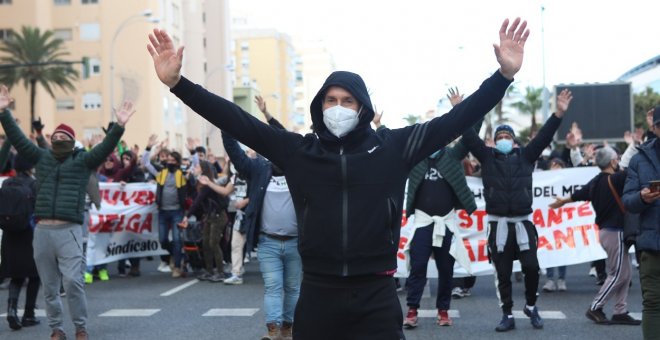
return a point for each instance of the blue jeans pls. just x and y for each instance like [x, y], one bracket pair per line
[168, 219]
[281, 268]
[550, 272]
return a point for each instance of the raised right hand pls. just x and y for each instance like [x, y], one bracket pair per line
[510, 51]
[5, 98]
[167, 59]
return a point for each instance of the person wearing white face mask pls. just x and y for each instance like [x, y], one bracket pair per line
[507, 177]
[347, 184]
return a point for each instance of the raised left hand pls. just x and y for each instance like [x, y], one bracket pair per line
[563, 101]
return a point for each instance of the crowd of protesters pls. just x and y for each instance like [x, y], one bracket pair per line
[244, 202]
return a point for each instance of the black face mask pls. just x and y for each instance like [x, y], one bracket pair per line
[172, 167]
[62, 149]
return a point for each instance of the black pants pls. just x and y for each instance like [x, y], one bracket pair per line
[359, 308]
[504, 264]
[31, 294]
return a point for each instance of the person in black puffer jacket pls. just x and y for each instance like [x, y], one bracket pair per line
[507, 178]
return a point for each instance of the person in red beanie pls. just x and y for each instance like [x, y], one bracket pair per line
[62, 173]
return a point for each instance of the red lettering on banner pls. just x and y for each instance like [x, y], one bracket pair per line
[106, 227]
[543, 242]
[569, 212]
[147, 223]
[402, 243]
[133, 224]
[583, 230]
[537, 218]
[480, 216]
[584, 209]
[93, 228]
[470, 252]
[141, 197]
[554, 217]
[483, 255]
[147, 197]
[114, 223]
[466, 220]
[568, 239]
[404, 218]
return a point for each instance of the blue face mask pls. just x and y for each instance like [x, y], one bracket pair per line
[504, 146]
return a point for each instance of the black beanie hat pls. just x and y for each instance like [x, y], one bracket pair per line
[505, 129]
[21, 164]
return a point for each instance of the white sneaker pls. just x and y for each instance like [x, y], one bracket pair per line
[466, 292]
[457, 293]
[561, 285]
[592, 272]
[550, 286]
[164, 267]
[234, 280]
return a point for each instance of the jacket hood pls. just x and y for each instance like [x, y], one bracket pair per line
[352, 83]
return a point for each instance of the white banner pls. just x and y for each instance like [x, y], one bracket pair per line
[126, 226]
[567, 235]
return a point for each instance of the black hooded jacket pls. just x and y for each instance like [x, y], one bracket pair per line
[347, 192]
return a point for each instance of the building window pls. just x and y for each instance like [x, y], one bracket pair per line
[63, 33]
[5, 34]
[175, 16]
[245, 45]
[245, 63]
[90, 32]
[62, 2]
[166, 107]
[90, 132]
[91, 101]
[204, 17]
[5, 2]
[245, 81]
[178, 112]
[64, 104]
[94, 67]
[90, 2]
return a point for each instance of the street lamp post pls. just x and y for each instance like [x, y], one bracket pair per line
[145, 14]
[545, 95]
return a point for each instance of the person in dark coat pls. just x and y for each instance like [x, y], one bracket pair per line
[17, 257]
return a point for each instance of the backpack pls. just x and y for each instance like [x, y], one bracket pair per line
[16, 206]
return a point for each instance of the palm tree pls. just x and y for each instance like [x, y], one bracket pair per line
[37, 57]
[412, 119]
[530, 104]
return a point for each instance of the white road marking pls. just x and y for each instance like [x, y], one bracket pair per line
[179, 288]
[40, 313]
[556, 315]
[231, 312]
[129, 312]
[433, 313]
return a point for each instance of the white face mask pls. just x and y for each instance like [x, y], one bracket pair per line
[340, 120]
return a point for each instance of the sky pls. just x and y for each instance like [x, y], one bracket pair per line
[410, 52]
